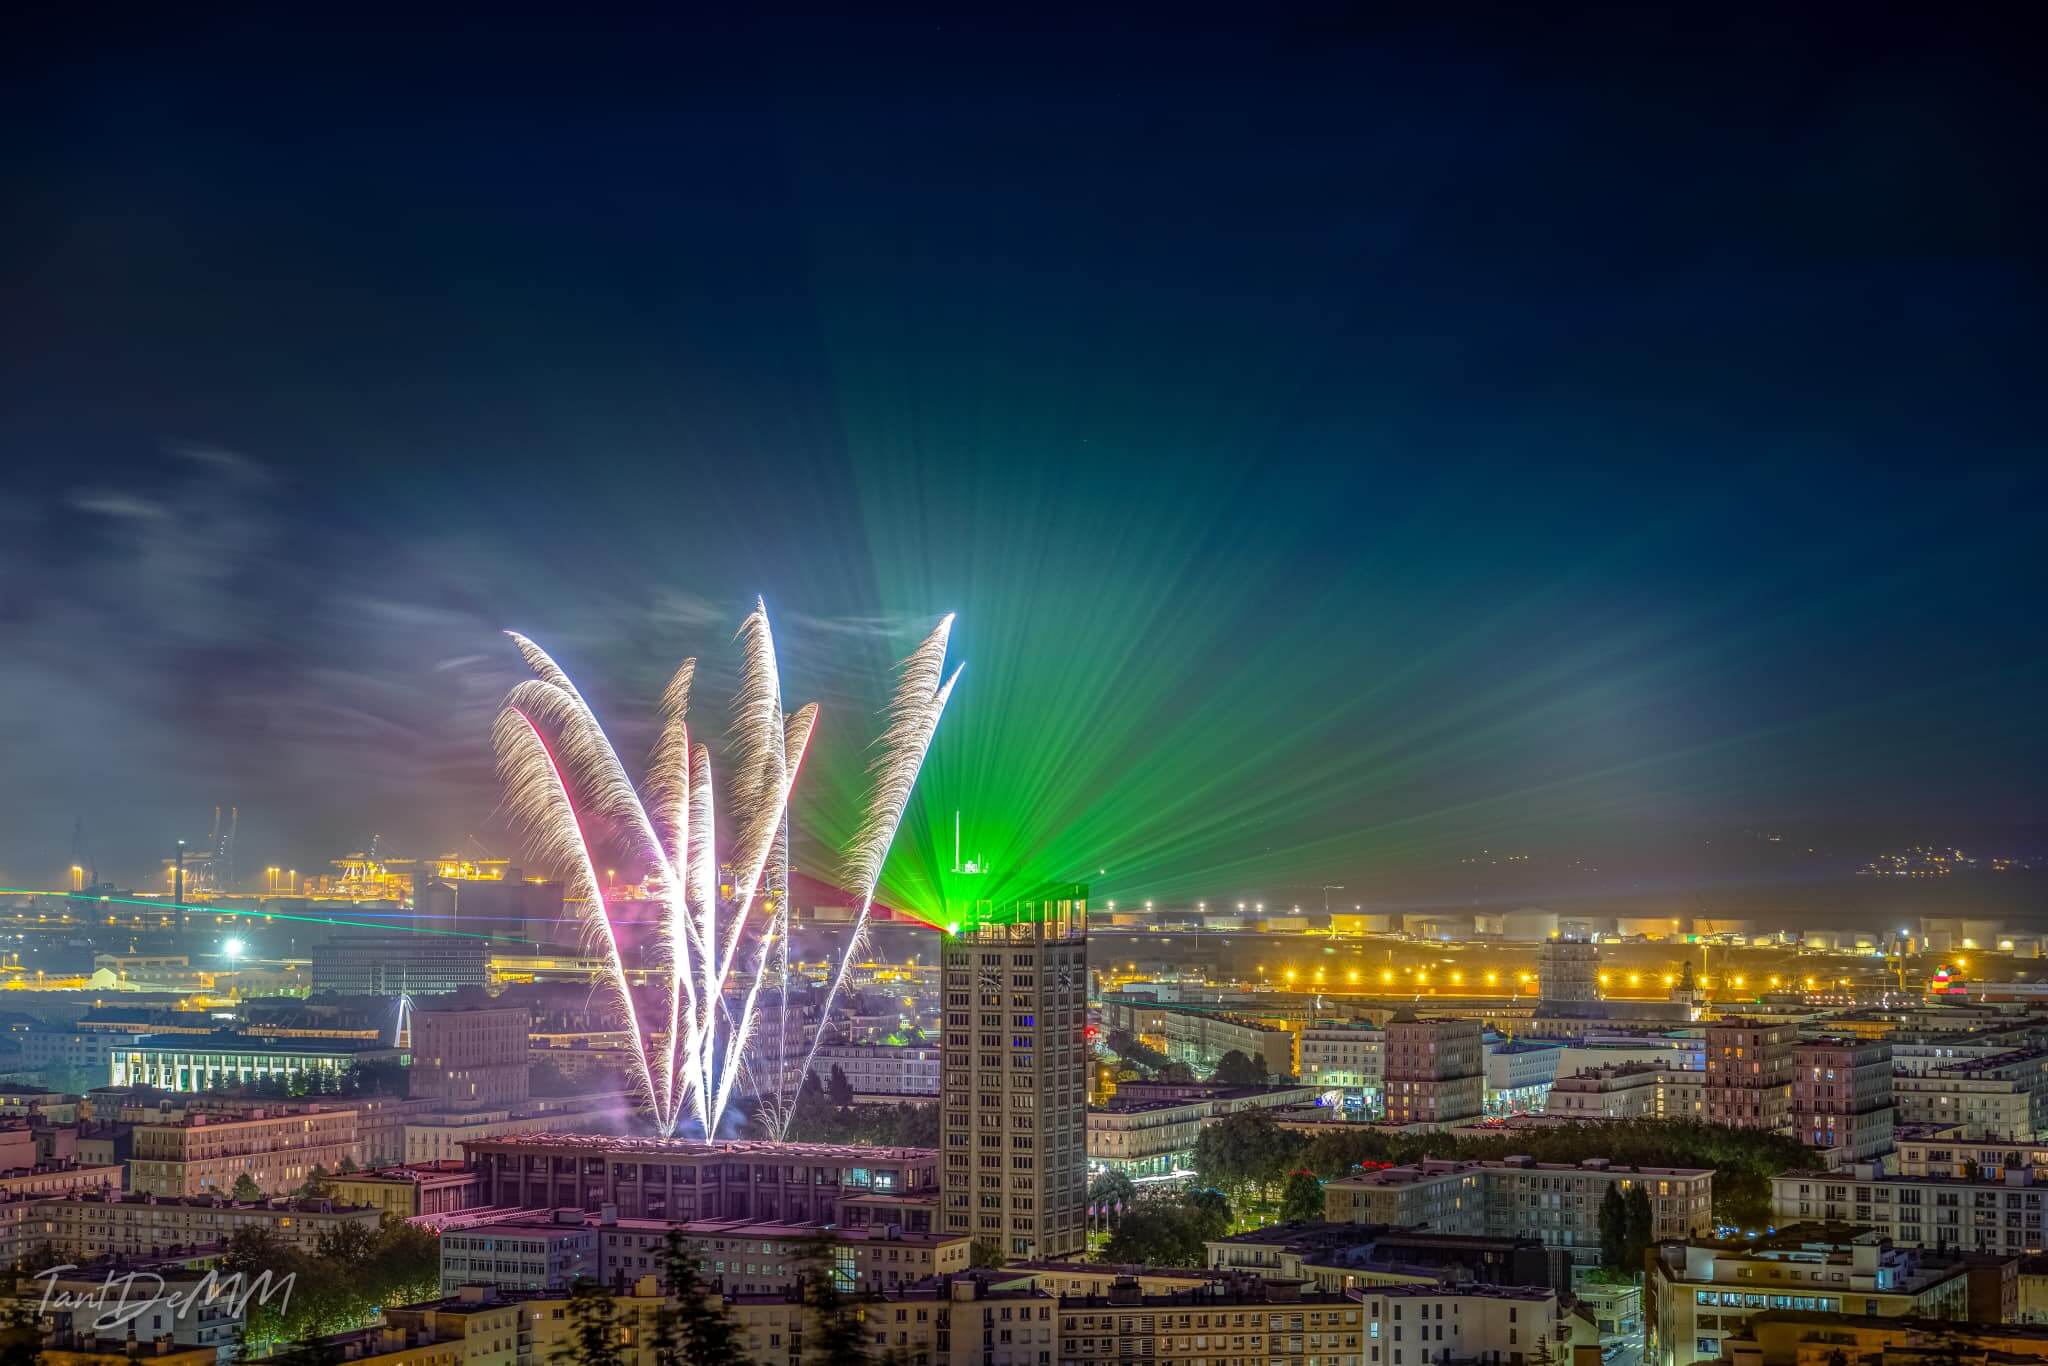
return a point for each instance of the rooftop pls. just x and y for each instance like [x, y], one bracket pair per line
[223, 1040]
[281, 1205]
[1036, 1266]
[697, 1147]
[1490, 1292]
[1432, 1169]
[1240, 1291]
[1304, 1234]
[777, 1229]
[1909, 1323]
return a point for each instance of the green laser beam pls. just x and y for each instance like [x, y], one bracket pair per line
[264, 915]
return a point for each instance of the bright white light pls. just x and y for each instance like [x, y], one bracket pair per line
[234, 948]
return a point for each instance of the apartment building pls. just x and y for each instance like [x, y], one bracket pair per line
[1436, 1069]
[1946, 1150]
[1635, 1090]
[1237, 1323]
[1353, 1256]
[1842, 1098]
[2004, 1096]
[685, 1179]
[205, 1153]
[79, 1228]
[1410, 1325]
[175, 1320]
[1519, 1075]
[474, 1057]
[762, 1258]
[445, 1137]
[1558, 1203]
[1706, 1292]
[880, 1071]
[409, 1191]
[1140, 1135]
[1199, 1035]
[86, 1051]
[530, 1250]
[1812, 1337]
[1920, 1211]
[1749, 1074]
[1351, 1058]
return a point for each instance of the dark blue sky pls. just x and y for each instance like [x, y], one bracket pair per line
[1587, 422]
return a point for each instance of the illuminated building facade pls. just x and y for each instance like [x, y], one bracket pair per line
[355, 964]
[210, 1062]
[679, 1178]
[1567, 971]
[474, 1057]
[1842, 1097]
[1749, 1074]
[1013, 1111]
[1436, 1070]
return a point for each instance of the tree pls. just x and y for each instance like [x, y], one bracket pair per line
[593, 1328]
[1175, 1071]
[349, 1244]
[317, 1186]
[1211, 1210]
[310, 1350]
[1112, 1193]
[833, 1332]
[347, 1165]
[1142, 1056]
[664, 1340]
[1613, 1228]
[21, 1337]
[1247, 1153]
[981, 1254]
[1236, 1069]
[1156, 1235]
[1639, 1229]
[245, 1188]
[704, 1333]
[840, 1088]
[1302, 1198]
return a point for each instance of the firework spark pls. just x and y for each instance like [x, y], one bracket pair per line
[913, 719]
[565, 786]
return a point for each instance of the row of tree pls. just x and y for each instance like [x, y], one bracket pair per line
[352, 1272]
[693, 1327]
[1627, 1228]
[1249, 1157]
[1162, 1230]
[820, 1117]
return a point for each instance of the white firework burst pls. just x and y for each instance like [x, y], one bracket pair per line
[565, 786]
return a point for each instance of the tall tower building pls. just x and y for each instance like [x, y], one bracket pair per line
[1436, 1070]
[1842, 1097]
[1749, 1074]
[1013, 1117]
[1567, 970]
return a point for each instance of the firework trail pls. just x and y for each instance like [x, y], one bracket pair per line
[913, 719]
[564, 785]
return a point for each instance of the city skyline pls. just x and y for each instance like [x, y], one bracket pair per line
[1342, 495]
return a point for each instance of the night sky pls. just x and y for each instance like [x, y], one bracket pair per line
[1349, 446]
